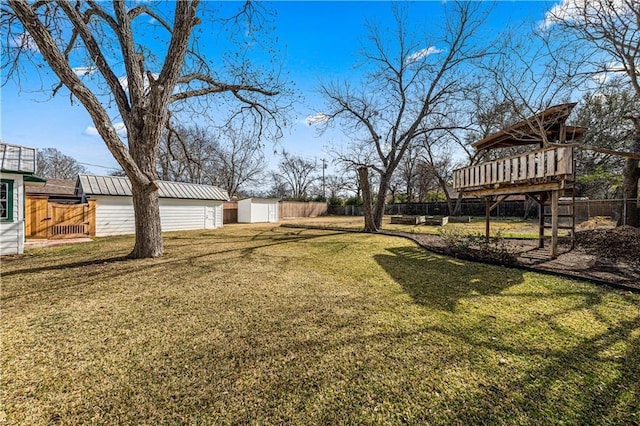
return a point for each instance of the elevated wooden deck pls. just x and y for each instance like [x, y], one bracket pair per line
[534, 171]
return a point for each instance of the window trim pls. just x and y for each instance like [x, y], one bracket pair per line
[9, 183]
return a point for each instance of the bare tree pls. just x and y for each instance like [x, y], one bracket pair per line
[52, 163]
[279, 187]
[409, 173]
[186, 154]
[239, 160]
[600, 174]
[298, 174]
[336, 186]
[440, 163]
[143, 84]
[526, 76]
[402, 95]
[610, 32]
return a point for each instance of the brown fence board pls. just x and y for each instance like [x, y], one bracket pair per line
[291, 209]
[230, 212]
[36, 217]
[46, 219]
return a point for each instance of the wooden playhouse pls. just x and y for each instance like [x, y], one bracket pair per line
[543, 171]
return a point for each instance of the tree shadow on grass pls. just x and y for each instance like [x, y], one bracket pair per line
[178, 257]
[440, 281]
[63, 266]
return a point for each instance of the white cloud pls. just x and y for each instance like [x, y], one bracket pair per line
[420, 54]
[82, 71]
[611, 70]
[571, 10]
[91, 131]
[124, 82]
[120, 128]
[316, 119]
[24, 41]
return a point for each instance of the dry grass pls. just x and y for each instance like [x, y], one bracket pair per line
[267, 325]
[508, 228]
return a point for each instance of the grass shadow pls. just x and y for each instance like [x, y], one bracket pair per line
[440, 281]
[63, 266]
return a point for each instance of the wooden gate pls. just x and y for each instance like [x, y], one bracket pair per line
[46, 219]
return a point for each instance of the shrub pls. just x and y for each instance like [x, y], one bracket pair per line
[354, 201]
[336, 201]
[477, 246]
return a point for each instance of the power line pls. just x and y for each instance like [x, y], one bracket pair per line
[97, 165]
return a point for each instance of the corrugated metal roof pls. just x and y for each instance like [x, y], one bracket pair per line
[15, 158]
[120, 186]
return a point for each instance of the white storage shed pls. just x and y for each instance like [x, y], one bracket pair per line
[253, 210]
[183, 206]
[18, 165]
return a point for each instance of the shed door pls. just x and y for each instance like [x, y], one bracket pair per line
[272, 212]
[210, 217]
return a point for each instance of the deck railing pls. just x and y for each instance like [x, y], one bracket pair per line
[534, 166]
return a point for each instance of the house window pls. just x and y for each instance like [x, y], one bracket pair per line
[6, 200]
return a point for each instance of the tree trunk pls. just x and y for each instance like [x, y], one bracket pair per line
[369, 221]
[146, 209]
[453, 209]
[456, 208]
[143, 146]
[629, 213]
[378, 211]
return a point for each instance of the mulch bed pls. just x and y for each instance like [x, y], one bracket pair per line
[601, 255]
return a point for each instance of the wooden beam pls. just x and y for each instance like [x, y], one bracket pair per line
[515, 189]
[487, 213]
[532, 197]
[625, 154]
[543, 196]
[554, 223]
[500, 200]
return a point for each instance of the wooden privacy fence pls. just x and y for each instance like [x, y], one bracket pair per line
[45, 219]
[540, 164]
[290, 209]
[230, 212]
[286, 209]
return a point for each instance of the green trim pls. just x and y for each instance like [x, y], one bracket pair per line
[9, 200]
[34, 179]
[17, 172]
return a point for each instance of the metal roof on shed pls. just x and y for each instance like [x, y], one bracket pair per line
[120, 186]
[19, 159]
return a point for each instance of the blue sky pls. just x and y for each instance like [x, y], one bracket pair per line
[318, 40]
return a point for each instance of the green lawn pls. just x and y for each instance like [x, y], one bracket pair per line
[267, 325]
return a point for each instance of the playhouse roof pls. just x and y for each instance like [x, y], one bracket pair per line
[529, 131]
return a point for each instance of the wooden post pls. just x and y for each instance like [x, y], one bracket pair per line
[554, 223]
[487, 213]
[91, 218]
[543, 198]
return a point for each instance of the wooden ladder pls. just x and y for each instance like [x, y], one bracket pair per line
[567, 211]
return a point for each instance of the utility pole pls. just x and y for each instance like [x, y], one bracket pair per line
[324, 166]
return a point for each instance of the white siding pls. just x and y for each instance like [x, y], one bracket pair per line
[219, 207]
[259, 212]
[244, 211]
[12, 233]
[178, 215]
[253, 210]
[114, 215]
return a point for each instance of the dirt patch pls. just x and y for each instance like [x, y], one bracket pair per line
[610, 255]
[620, 244]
